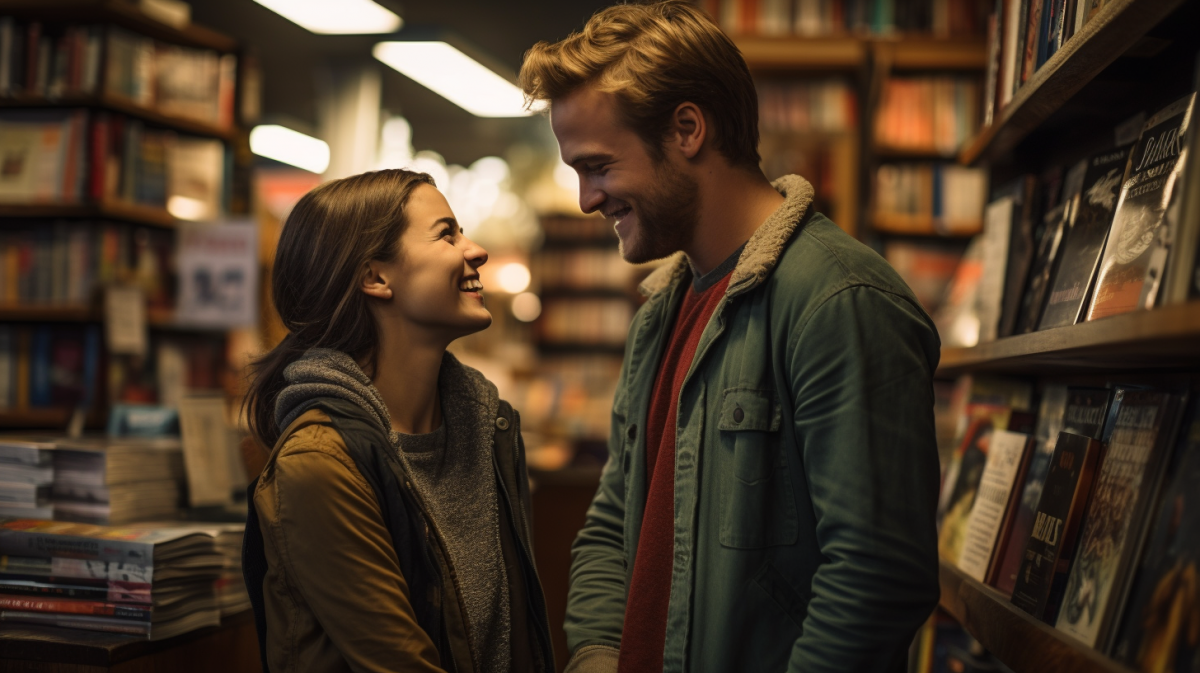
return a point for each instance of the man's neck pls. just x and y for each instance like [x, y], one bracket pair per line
[733, 205]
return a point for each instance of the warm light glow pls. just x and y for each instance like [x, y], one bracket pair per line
[526, 307]
[290, 147]
[513, 277]
[187, 208]
[459, 78]
[336, 17]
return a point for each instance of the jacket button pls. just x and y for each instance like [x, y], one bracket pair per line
[632, 433]
[501, 423]
[738, 415]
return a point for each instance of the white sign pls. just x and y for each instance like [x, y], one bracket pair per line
[218, 274]
[206, 450]
[125, 320]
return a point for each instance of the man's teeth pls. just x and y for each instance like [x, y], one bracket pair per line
[471, 286]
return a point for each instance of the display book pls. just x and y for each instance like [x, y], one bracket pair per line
[154, 581]
[1084, 567]
[1112, 234]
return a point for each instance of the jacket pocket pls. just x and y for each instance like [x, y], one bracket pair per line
[757, 505]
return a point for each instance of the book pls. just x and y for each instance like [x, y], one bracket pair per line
[1008, 456]
[1020, 253]
[1183, 273]
[1084, 239]
[1127, 480]
[75, 607]
[1135, 257]
[1056, 523]
[1055, 223]
[77, 571]
[72, 621]
[963, 482]
[50, 539]
[63, 588]
[997, 233]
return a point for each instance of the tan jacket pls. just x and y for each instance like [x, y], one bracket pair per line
[334, 594]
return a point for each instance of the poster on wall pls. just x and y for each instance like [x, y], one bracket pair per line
[218, 274]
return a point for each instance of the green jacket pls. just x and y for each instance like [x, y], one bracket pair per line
[806, 471]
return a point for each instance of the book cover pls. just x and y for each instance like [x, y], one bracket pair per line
[997, 232]
[1162, 617]
[1008, 457]
[1084, 239]
[86, 622]
[75, 607]
[959, 498]
[131, 576]
[1135, 257]
[64, 589]
[1056, 522]
[49, 539]
[1054, 229]
[1020, 252]
[1127, 479]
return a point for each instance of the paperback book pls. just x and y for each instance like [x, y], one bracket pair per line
[1007, 458]
[1113, 531]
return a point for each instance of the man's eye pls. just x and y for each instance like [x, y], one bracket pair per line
[595, 168]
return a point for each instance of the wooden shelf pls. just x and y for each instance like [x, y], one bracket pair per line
[46, 418]
[1023, 643]
[914, 53]
[125, 14]
[1119, 26]
[1164, 338]
[802, 53]
[107, 210]
[912, 154]
[117, 103]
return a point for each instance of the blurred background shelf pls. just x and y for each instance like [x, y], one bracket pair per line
[116, 103]
[109, 210]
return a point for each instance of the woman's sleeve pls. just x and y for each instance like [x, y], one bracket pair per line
[338, 555]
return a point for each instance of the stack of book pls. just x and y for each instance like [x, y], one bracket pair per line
[39, 60]
[1086, 521]
[117, 481]
[26, 475]
[1104, 237]
[154, 582]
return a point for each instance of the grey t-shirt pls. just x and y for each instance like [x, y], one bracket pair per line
[457, 482]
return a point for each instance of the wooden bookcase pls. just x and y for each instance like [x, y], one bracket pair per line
[1067, 93]
[127, 16]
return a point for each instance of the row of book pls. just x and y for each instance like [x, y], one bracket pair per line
[1083, 512]
[45, 366]
[152, 580]
[584, 269]
[808, 106]
[929, 198]
[590, 322]
[89, 479]
[67, 263]
[51, 61]
[829, 17]
[927, 114]
[56, 156]
[1022, 35]
[1104, 237]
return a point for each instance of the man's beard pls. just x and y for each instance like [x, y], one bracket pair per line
[667, 215]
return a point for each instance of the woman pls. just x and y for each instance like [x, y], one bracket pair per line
[389, 529]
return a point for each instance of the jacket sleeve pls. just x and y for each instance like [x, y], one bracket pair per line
[861, 379]
[339, 560]
[596, 599]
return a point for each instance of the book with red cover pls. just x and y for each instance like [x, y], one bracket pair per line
[74, 607]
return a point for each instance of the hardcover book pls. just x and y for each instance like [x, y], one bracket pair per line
[1135, 257]
[1127, 481]
[1054, 228]
[1163, 612]
[1084, 239]
[1056, 521]
[1007, 458]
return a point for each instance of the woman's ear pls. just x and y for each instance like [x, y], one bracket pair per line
[373, 283]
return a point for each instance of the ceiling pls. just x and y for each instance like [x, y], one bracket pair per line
[292, 59]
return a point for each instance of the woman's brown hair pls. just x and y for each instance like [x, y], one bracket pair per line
[328, 239]
[653, 57]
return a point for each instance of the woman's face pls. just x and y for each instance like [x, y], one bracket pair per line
[435, 278]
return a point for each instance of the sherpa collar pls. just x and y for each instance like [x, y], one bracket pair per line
[762, 251]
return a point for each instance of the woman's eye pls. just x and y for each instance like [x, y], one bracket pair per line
[447, 232]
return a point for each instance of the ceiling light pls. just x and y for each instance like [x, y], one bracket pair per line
[457, 77]
[344, 17]
[290, 147]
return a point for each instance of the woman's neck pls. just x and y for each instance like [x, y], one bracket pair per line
[406, 376]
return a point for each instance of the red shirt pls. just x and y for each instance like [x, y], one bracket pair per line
[645, 630]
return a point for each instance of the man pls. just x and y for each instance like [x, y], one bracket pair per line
[768, 503]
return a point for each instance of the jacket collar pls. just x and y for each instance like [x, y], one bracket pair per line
[762, 251]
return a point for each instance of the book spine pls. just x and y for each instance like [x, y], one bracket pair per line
[74, 607]
[34, 543]
[76, 622]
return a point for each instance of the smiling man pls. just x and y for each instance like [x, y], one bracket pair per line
[768, 503]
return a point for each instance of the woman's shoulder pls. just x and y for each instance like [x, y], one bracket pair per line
[311, 440]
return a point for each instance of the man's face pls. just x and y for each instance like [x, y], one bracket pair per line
[653, 204]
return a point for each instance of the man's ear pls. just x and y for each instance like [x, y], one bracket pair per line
[689, 130]
[373, 283]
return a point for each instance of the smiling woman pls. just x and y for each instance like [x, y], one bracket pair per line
[395, 501]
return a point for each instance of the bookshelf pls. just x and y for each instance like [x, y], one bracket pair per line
[116, 103]
[1111, 33]
[1020, 641]
[121, 13]
[109, 209]
[788, 54]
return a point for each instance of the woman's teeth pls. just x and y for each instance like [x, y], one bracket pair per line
[471, 286]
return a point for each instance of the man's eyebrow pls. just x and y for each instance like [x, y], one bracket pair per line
[588, 158]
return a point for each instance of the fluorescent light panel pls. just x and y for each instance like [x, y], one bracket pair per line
[336, 17]
[455, 76]
[290, 147]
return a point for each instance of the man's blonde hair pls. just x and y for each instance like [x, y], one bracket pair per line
[653, 58]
